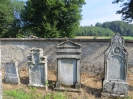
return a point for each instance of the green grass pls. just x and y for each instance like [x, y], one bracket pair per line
[56, 95]
[22, 94]
[103, 37]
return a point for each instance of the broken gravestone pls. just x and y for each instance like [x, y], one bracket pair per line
[68, 64]
[115, 80]
[11, 74]
[37, 68]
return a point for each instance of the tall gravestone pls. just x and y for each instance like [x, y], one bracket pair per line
[37, 68]
[11, 74]
[68, 64]
[115, 80]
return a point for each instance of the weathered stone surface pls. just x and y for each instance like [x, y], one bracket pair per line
[92, 58]
[115, 81]
[68, 63]
[37, 68]
[1, 95]
[11, 74]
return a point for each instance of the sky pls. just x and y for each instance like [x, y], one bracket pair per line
[99, 11]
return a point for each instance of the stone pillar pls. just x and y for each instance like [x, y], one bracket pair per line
[115, 79]
[68, 64]
[37, 68]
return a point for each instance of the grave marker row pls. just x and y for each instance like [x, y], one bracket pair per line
[69, 66]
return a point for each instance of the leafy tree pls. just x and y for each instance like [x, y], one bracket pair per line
[15, 27]
[6, 16]
[127, 10]
[9, 17]
[94, 31]
[52, 18]
[123, 28]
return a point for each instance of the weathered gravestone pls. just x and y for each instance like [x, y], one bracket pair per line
[37, 68]
[68, 64]
[11, 74]
[115, 80]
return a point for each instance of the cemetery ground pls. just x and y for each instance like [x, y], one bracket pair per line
[91, 88]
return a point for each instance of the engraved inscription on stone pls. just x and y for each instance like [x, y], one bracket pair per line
[11, 73]
[37, 68]
[115, 81]
[68, 63]
[68, 71]
[116, 68]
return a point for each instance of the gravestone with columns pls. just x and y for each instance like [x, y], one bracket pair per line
[115, 80]
[68, 64]
[37, 68]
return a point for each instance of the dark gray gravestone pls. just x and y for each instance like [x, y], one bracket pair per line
[11, 74]
[68, 63]
[115, 81]
[37, 68]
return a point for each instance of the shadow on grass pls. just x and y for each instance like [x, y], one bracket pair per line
[93, 91]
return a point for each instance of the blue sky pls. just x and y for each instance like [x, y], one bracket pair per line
[99, 11]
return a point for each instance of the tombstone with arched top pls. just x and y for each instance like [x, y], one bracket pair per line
[115, 80]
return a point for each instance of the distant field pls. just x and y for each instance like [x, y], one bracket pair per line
[102, 37]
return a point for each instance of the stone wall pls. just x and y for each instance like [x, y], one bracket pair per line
[92, 59]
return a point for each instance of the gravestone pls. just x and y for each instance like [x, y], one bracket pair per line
[37, 68]
[68, 64]
[11, 74]
[115, 80]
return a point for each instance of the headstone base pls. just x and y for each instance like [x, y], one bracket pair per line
[77, 87]
[68, 89]
[11, 80]
[115, 88]
[35, 85]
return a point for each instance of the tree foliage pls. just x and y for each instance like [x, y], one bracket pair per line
[52, 18]
[94, 31]
[107, 29]
[121, 27]
[127, 10]
[9, 17]
[6, 16]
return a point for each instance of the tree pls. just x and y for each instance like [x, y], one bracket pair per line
[15, 27]
[127, 10]
[6, 16]
[52, 18]
[9, 17]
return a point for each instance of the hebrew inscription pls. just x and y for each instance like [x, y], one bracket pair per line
[115, 81]
[37, 68]
[11, 73]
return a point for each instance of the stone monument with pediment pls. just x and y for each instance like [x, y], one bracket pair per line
[11, 74]
[115, 80]
[37, 68]
[68, 64]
